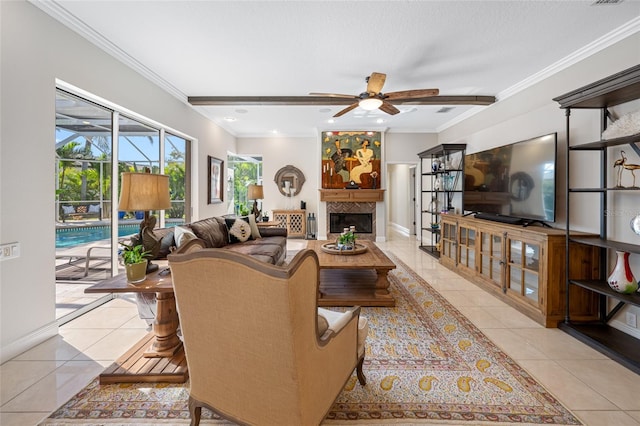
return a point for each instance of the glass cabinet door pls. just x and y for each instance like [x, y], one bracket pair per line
[448, 240]
[524, 269]
[467, 247]
[491, 257]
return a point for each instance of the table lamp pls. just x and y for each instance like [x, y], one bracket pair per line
[255, 193]
[144, 192]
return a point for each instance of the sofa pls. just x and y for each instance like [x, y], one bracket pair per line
[238, 234]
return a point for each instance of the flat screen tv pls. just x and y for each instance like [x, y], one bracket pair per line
[513, 181]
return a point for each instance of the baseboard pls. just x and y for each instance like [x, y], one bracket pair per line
[27, 342]
[401, 229]
[622, 326]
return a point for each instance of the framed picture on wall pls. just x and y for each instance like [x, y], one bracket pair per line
[216, 175]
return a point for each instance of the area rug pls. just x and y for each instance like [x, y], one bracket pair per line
[425, 363]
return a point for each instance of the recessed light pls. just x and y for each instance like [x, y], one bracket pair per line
[274, 131]
[331, 121]
[242, 111]
[324, 110]
[379, 120]
[230, 119]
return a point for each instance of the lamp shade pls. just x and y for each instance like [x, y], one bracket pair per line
[254, 192]
[144, 191]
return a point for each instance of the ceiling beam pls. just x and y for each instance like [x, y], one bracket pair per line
[329, 101]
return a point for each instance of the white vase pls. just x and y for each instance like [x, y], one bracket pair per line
[621, 279]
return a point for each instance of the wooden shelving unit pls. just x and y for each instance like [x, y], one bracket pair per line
[438, 198]
[602, 95]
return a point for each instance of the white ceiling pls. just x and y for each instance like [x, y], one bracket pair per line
[292, 48]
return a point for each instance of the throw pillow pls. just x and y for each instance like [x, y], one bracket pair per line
[82, 209]
[68, 209]
[182, 234]
[255, 232]
[94, 208]
[239, 229]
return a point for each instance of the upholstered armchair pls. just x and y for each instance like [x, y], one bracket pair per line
[259, 351]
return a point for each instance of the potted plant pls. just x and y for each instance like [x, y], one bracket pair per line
[347, 240]
[135, 262]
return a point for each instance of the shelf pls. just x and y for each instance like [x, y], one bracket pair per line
[602, 189]
[610, 91]
[601, 287]
[430, 250]
[608, 244]
[441, 172]
[617, 345]
[598, 145]
[616, 89]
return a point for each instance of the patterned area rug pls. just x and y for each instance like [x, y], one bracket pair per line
[425, 363]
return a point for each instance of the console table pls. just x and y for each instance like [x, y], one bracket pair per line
[294, 220]
[159, 356]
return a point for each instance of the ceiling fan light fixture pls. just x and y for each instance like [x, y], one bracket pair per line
[369, 104]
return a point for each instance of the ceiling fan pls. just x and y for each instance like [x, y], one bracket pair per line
[373, 98]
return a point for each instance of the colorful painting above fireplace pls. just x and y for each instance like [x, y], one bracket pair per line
[351, 157]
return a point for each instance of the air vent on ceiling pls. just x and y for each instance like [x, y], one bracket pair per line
[444, 109]
[605, 2]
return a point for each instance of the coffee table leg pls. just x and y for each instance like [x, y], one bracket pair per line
[165, 328]
[382, 284]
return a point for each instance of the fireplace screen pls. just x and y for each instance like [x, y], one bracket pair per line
[362, 221]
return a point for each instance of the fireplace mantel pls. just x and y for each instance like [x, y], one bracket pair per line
[352, 195]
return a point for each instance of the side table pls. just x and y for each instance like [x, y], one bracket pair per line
[159, 356]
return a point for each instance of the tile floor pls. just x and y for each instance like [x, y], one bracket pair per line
[599, 391]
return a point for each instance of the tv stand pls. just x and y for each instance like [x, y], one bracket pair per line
[499, 218]
[529, 222]
[523, 267]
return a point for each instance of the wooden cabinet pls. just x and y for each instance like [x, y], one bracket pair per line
[441, 190]
[293, 220]
[600, 96]
[523, 266]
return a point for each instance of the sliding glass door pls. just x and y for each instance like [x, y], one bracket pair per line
[88, 224]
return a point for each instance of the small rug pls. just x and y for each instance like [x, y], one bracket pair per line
[425, 363]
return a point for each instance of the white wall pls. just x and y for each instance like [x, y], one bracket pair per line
[35, 51]
[533, 112]
[400, 204]
[304, 153]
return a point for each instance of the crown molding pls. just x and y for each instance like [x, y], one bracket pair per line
[620, 33]
[69, 20]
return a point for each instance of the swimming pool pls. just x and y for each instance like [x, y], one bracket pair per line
[77, 235]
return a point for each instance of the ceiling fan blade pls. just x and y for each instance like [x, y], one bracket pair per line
[388, 108]
[346, 110]
[333, 95]
[410, 94]
[375, 82]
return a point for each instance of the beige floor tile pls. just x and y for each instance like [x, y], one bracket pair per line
[616, 383]
[113, 345]
[480, 317]
[573, 393]
[22, 419]
[104, 317]
[56, 388]
[606, 418]
[513, 345]
[82, 338]
[55, 348]
[512, 318]
[635, 415]
[556, 344]
[16, 376]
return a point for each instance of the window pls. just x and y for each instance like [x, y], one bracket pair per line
[242, 170]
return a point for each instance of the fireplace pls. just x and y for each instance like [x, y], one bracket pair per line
[341, 215]
[362, 221]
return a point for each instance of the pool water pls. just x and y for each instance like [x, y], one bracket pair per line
[70, 237]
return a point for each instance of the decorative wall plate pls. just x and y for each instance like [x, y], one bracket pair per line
[635, 224]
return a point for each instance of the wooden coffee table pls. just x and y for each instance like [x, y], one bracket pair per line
[354, 279]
